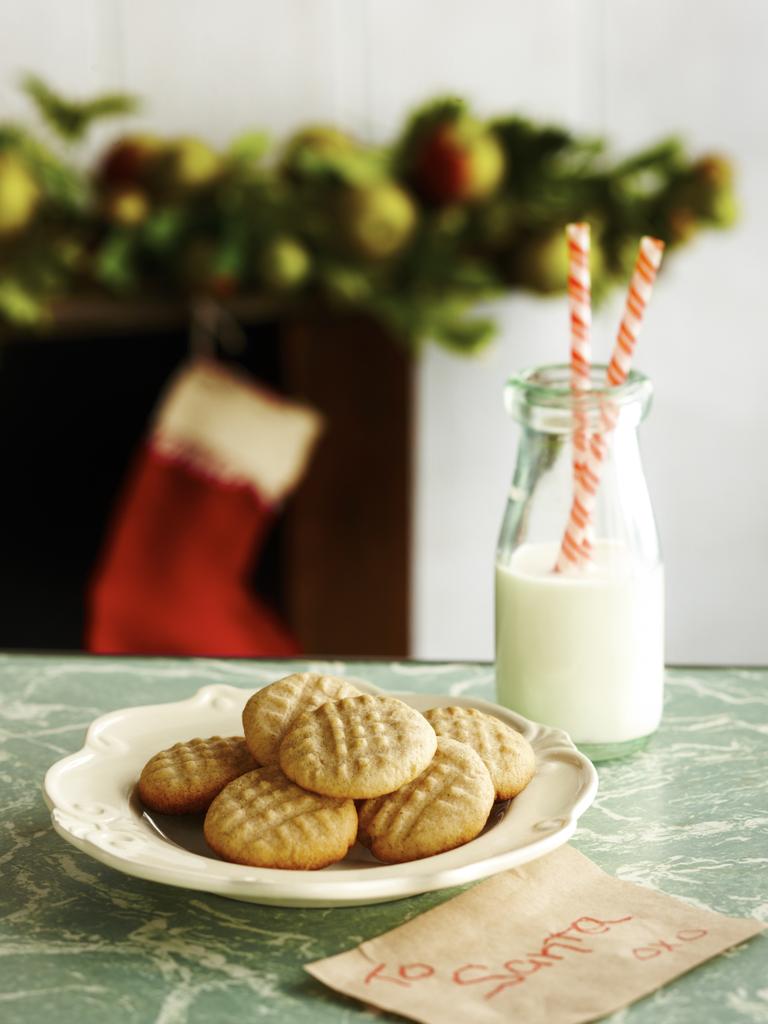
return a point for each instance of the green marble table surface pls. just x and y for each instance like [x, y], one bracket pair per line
[82, 943]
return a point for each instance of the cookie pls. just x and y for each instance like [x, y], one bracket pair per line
[507, 755]
[272, 710]
[446, 806]
[185, 778]
[264, 820]
[357, 747]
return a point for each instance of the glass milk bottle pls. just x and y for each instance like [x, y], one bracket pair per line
[582, 649]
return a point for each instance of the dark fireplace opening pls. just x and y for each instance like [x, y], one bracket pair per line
[73, 411]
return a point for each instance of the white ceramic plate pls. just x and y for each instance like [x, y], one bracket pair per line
[94, 806]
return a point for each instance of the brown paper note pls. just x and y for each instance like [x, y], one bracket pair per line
[556, 941]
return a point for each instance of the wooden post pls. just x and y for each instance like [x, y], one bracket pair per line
[348, 531]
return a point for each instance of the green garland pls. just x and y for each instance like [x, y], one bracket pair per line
[454, 211]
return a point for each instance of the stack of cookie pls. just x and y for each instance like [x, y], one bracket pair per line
[322, 765]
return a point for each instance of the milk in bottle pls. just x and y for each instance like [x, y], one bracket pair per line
[581, 650]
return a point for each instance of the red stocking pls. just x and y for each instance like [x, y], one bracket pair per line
[173, 575]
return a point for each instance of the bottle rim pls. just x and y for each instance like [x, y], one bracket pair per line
[550, 385]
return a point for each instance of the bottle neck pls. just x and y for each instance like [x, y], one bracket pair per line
[557, 428]
[543, 399]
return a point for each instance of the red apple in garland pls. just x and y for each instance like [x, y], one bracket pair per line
[458, 161]
[127, 159]
[176, 166]
[208, 269]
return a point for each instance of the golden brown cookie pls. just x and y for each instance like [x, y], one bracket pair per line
[358, 747]
[265, 820]
[444, 807]
[186, 777]
[507, 755]
[271, 711]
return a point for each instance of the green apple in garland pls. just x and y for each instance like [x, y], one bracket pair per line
[704, 194]
[724, 211]
[713, 187]
[315, 150]
[284, 264]
[127, 206]
[19, 194]
[541, 262]
[186, 164]
[377, 220]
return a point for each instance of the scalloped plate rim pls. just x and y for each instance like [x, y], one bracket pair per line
[331, 887]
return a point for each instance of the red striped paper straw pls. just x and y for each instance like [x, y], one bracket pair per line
[580, 299]
[580, 306]
[640, 287]
[571, 553]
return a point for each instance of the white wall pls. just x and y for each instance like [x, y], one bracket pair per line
[645, 70]
[631, 70]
